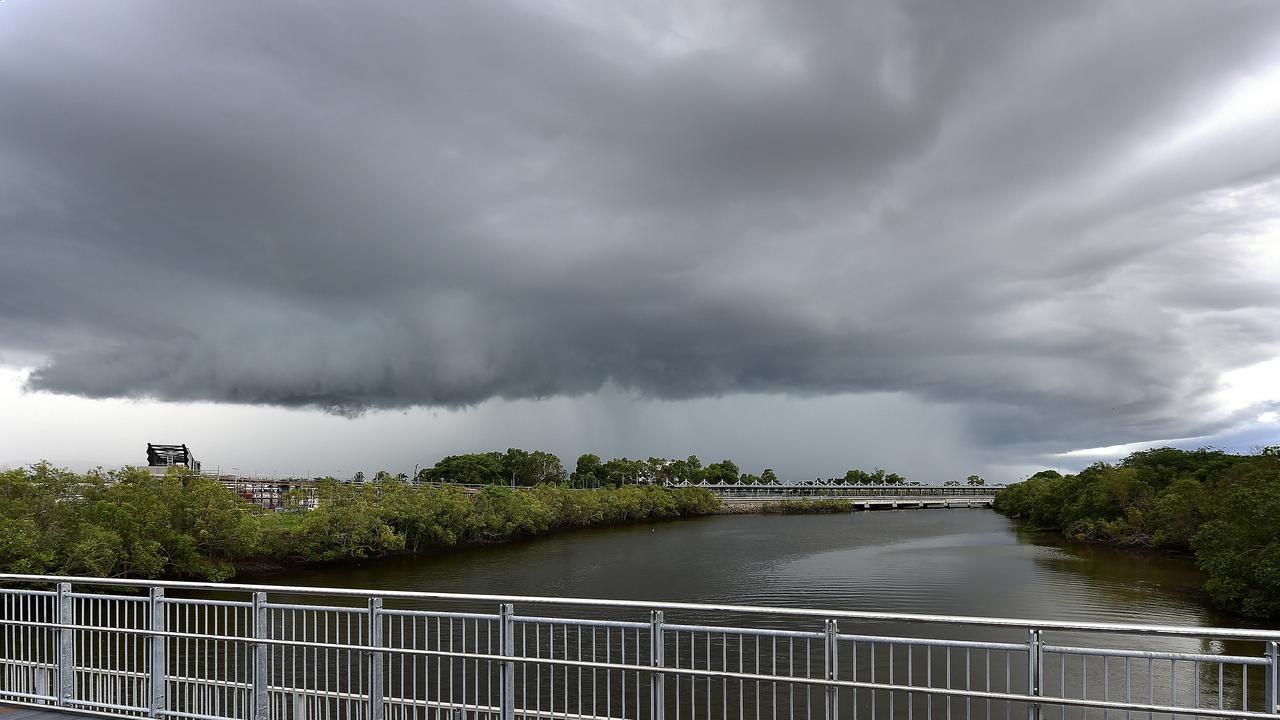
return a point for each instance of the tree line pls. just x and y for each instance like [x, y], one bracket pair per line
[1223, 508]
[526, 468]
[130, 523]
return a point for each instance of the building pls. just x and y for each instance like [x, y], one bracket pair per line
[162, 457]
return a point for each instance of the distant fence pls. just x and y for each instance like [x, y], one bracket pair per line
[253, 652]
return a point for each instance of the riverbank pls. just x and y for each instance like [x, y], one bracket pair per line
[129, 523]
[1219, 507]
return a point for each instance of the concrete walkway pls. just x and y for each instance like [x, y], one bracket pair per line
[9, 712]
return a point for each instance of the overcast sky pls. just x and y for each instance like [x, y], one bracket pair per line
[937, 237]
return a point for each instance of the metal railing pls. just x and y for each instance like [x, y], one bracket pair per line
[124, 648]
[843, 490]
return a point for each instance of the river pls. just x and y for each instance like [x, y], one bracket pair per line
[953, 562]
[937, 562]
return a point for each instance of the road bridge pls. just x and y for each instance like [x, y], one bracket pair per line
[862, 497]
[109, 647]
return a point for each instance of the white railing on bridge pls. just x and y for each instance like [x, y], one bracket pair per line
[841, 489]
[121, 648]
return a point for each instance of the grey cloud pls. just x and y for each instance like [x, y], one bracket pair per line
[440, 203]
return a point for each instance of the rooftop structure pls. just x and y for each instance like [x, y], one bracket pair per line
[166, 456]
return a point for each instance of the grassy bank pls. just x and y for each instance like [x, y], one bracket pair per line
[1223, 508]
[128, 523]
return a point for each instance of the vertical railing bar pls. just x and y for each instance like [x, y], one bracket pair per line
[968, 683]
[791, 687]
[987, 674]
[928, 676]
[891, 678]
[1244, 687]
[66, 645]
[608, 674]
[158, 676]
[537, 669]
[440, 664]
[475, 665]
[1106, 685]
[871, 663]
[579, 647]
[773, 686]
[808, 673]
[260, 678]
[507, 670]
[1128, 685]
[1151, 685]
[657, 681]
[1035, 671]
[1008, 684]
[757, 695]
[1271, 668]
[831, 667]
[377, 659]
[1221, 682]
[524, 670]
[676, 694]
[949, 699]
[462, 662]
[566, 673]
[594, 678]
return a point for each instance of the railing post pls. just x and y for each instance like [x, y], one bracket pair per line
[831, 666]
[159, 679]
[657, 681]
[1035, 671]
[260, 669]
[1273, 667]
[66, 646]
[376, 659]
[507, 670]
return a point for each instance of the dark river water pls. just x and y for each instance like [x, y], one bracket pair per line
[935, 562]
[953, 562]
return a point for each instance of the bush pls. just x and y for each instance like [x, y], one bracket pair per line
[1220, 506]
[129, 523]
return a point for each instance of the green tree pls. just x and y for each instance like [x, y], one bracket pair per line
[468, 469]
[858, 477]
[689, 469]
[1239, 548]
[587, 472]
[725, 471]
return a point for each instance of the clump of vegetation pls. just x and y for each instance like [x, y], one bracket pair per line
[805, 507]
[525, 468]
[1224, 508]
[129, 523]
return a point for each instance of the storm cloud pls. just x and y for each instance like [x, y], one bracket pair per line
[1060, 218]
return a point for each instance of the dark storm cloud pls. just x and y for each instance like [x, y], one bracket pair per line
[352, 206]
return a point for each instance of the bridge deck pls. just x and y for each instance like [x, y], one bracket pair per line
[9, 712]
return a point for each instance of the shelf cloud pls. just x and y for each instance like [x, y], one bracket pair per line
[1062, 219]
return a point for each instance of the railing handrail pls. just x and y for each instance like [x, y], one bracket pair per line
[824, 614]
